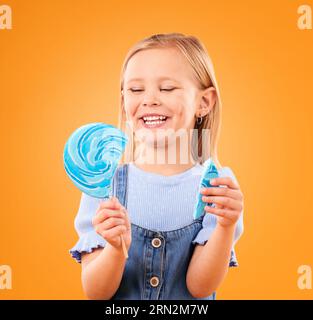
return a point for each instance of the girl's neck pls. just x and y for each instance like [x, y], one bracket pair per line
[166, 160]
[163, 169]
[155, 161]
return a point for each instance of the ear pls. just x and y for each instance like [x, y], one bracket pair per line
[207, 102]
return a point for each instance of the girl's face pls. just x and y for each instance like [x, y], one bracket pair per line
[160, 92]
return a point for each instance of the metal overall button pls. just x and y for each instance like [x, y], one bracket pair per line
[156, 242]
[154, 281]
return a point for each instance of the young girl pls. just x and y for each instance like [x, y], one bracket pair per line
[167, 85]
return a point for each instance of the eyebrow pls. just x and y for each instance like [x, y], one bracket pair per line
[160, 78]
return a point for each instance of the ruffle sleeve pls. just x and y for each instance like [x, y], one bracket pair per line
[89, 239]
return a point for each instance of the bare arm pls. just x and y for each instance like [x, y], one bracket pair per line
[102, 269]
[102, 272]
[209, 264]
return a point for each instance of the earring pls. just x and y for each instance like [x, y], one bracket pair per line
[199, 122]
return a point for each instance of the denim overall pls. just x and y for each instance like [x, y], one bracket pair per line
[158, 260]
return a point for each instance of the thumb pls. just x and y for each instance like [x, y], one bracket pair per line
[115, 202]
[126, 217]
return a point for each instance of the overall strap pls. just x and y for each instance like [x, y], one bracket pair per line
[120, 183]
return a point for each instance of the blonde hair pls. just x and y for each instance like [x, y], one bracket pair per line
[197, 56]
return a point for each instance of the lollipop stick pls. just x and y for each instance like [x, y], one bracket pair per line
[124, 248]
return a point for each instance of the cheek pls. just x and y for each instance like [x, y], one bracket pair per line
[130, 107]
[184, 110]
[176, 103]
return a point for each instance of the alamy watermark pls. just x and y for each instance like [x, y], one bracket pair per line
[305, 278]
[5, 17]
[5, 277]
[169, 146]
[305, 19]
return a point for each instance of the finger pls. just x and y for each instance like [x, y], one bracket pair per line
[109, 224]
[105, 214]
[116, 202]
[114, 232]
[224, 201]
[225, 213]
[126, 216]
[212, 191]
[111, 203]
[228, 181]
[218, 206]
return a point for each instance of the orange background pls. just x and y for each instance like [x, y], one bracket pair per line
[60, 67]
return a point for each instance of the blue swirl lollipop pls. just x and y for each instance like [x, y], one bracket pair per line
[91, 156]
[209, 172]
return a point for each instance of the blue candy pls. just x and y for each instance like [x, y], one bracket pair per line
[209, 172]
[91, 156]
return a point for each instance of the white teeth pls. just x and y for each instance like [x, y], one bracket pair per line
[154, 122]
[154, 118]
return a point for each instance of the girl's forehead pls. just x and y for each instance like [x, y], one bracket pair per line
[157, 57]
[159, 64]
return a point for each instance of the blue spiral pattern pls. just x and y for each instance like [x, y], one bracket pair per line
[91, 156]
[209, 172]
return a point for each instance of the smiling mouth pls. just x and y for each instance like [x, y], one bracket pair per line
[154, 121]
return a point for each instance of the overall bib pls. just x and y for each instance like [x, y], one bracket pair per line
[158, 260]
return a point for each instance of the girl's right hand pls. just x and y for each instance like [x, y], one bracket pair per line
[111, 222]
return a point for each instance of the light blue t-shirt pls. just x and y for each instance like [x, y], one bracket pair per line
[155, 202]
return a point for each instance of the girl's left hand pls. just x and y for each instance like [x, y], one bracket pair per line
[228, 201]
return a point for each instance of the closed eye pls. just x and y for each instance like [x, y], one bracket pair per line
[135, 90]
[139, 90]
[168, 89]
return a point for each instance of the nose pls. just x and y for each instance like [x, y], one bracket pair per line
[150, 99]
